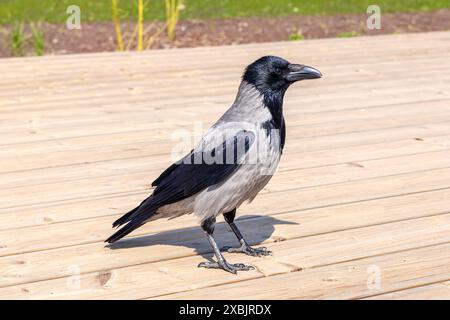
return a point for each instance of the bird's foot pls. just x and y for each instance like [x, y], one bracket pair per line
[255, 252]
[230, 267]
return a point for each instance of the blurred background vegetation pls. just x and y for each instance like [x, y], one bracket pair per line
[100, 10]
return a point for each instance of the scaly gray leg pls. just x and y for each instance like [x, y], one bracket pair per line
[244, 248]
[208, 227]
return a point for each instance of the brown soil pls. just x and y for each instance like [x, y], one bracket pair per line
[96, 37]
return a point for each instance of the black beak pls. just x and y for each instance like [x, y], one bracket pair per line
[299, 72]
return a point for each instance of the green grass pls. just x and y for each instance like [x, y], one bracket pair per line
[100, 10]
[17, 40]
[295, 36]
[38, 40]
[349, 34]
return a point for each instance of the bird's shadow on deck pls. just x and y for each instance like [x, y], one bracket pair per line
[255, 229]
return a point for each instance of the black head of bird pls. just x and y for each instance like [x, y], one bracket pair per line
[272, 74]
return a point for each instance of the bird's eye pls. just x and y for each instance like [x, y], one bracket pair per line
[277, 70]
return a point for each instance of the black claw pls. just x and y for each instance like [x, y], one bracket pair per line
[255, 252]
[232, 268]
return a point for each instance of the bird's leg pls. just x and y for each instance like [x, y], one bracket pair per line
[208, 227]
[244, 248]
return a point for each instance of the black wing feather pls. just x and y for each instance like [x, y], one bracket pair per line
[185, 178]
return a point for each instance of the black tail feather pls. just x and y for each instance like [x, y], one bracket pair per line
[125, 218]
[144, 206]
[134, 219]
[119, 234]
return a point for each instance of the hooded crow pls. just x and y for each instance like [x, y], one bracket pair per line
[234, 160]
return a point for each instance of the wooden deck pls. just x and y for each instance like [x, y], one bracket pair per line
[360, 207]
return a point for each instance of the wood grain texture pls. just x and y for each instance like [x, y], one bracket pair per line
[361, 195]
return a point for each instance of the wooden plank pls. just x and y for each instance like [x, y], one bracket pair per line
[159, 89]
[126, 94]
[135, 72]
[136, 100]
[350, 280]
[140, 64]
[96, 229]
[299, 124]
[363, 146]
[435, 291]
[344, 48]
[165, 240]
[289, 178]
[16, 160]
[139, 160]
[349, 69]
[310, 257]
[111, 205]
